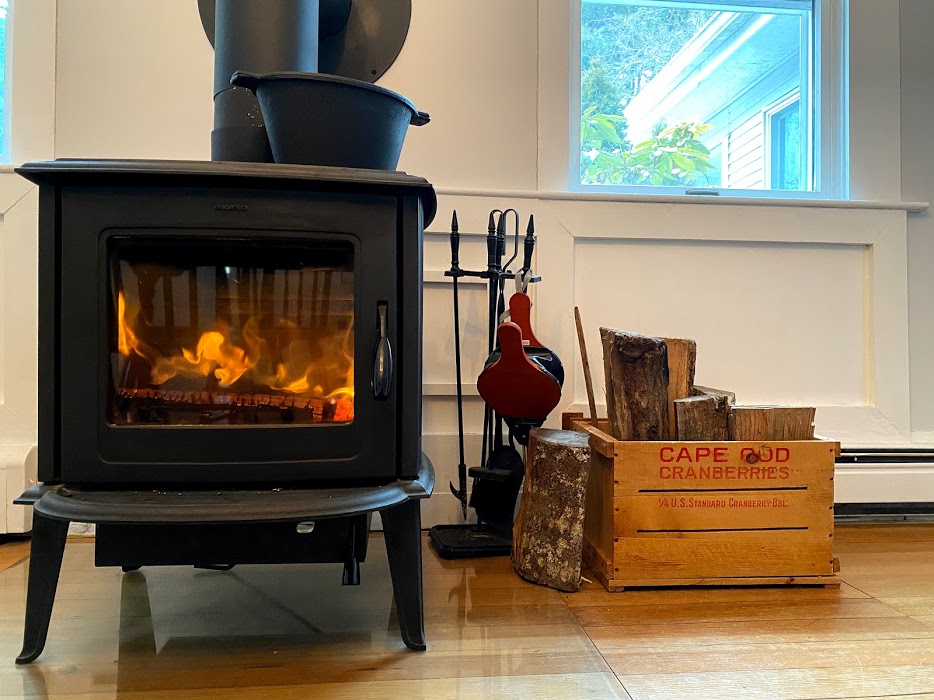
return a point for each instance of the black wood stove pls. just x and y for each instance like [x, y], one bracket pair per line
[229, 362]
[221, 346]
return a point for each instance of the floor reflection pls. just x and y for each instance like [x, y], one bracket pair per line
[277, 631]
[252, 626]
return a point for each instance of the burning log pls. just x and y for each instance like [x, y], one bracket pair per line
[327, 409]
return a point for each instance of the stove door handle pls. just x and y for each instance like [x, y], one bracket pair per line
[382, 364]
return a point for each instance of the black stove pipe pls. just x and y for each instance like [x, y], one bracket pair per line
[261, 36]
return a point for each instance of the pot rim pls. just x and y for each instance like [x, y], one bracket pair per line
[252, 81]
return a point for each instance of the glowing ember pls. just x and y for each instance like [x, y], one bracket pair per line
[314, 364]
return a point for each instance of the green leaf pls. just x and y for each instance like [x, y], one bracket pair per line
[606, 131]
[682, 162]
[696, 145]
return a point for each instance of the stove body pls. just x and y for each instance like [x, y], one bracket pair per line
[228, 325]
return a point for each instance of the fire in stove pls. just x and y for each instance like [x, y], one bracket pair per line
[232, 346]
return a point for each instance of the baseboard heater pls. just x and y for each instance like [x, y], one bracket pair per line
[885, 512]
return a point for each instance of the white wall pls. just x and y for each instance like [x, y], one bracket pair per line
[917, 106]
[31, 94]
[792, 304]
[135, 81]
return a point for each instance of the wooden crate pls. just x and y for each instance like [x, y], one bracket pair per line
[708, 513]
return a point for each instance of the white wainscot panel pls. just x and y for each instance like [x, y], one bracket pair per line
[438, 335]
[776, 323]
[788, 305]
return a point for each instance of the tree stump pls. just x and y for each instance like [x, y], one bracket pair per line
[548, 536]
[636, 385]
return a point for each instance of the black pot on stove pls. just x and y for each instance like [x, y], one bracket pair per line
[318, 119]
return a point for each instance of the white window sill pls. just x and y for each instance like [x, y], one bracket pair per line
[911, 207]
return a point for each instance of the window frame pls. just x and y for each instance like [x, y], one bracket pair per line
[828, 117]
[770, 115]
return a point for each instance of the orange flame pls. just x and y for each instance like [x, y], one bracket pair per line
[316, 365]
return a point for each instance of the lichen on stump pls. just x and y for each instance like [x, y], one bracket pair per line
[548, 535]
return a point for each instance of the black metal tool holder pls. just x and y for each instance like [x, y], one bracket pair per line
[466, 541]
[239, 527]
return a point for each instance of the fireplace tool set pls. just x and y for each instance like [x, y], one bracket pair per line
[520, 385]
[230, 351]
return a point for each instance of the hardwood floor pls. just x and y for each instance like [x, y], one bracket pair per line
[294, 632]
[13, 552]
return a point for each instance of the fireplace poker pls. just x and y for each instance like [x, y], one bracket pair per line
[461, 491]
[492, 274]
[525, 273]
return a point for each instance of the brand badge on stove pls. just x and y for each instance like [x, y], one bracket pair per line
[231, 207]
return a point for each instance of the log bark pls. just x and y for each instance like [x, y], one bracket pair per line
[682, 359]
[753, 423]
[702, 419]
[548, 535]
[636, 369]
[727, 396]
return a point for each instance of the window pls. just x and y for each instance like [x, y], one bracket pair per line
[702, 96]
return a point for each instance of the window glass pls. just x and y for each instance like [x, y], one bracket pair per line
[683, 94]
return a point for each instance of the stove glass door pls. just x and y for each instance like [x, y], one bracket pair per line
[231, 332]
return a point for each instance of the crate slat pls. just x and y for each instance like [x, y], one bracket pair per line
[692, 466]
[694, 514]
[748, 556]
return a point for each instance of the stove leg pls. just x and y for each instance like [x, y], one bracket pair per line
[45, 563]
[402, 528]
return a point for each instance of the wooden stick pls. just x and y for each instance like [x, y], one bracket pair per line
[588, 381]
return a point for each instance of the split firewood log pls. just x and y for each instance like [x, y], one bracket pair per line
[636, 369]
